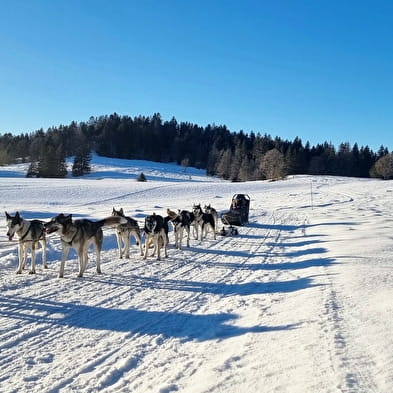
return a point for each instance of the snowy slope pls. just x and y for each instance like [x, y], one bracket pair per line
[299, 301]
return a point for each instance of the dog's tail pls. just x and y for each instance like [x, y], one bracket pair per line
[171, 214]
[112, 221]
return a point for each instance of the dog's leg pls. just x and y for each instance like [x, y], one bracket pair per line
[153, 240]
[123, 244]
[118, 238]
[20, 258]
[157, 245]
[176, 230]
[147, 242]
[165, 246]
[82, 258]
[43, 247]
[64, 254]
[181, 234]
[194, 231]
[164, 243]
[188, 235]
[98, 247]
[98, 260]
[32, 269]
[24, 255]
[138, 240]
[97, 244]
[203, 230]
[127, 244]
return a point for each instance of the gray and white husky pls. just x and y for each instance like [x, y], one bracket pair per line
[124, 232]
[80, 234]
[203, 221]
[211, 210]
[30, 234]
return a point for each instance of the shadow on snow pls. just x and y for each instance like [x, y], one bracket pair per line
[168, 324]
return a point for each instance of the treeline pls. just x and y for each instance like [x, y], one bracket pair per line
[236, 156]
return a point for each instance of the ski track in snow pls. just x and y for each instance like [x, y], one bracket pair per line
[295, 303]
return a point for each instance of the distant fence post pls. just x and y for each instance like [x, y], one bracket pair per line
[311, 196]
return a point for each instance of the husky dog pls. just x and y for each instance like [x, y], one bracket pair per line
[156, 232]
[80, 234]
[211, 210]
[123, 233]
[181, 221]
[30, 233]
[203, 221]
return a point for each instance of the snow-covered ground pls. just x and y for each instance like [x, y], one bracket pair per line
[300, 301]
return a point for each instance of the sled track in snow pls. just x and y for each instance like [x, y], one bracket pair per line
[123, 196]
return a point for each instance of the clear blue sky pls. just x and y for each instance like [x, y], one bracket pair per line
[321, 70]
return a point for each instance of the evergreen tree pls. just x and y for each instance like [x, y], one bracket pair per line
[52, 161]
[224, 164]
[141, 177]
[81, 164]
[33, 170]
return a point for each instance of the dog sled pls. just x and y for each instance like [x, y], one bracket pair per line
[237, 214]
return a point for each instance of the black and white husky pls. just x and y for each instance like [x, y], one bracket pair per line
[80, 234]
[124, 232]
[30, 233]
[203, 221]
[211, 210]
[156, 233]
[181, 222]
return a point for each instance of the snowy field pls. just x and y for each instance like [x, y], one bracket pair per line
[300, 301]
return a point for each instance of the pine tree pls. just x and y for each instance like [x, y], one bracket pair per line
[52, 161]
[33, 170]
[141, 177]
[224, 164]
[82, 159]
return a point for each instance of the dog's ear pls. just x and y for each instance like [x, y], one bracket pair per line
[7, 216]
[17, 216]
[113, 209]
[121, 211]
[62, 217]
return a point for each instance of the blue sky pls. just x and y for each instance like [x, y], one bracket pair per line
[320, 70]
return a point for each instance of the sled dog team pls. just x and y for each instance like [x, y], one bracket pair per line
[81, 233]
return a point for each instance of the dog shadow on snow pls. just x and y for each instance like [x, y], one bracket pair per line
[171, 324]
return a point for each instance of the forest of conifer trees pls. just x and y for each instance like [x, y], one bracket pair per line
[236, 156]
